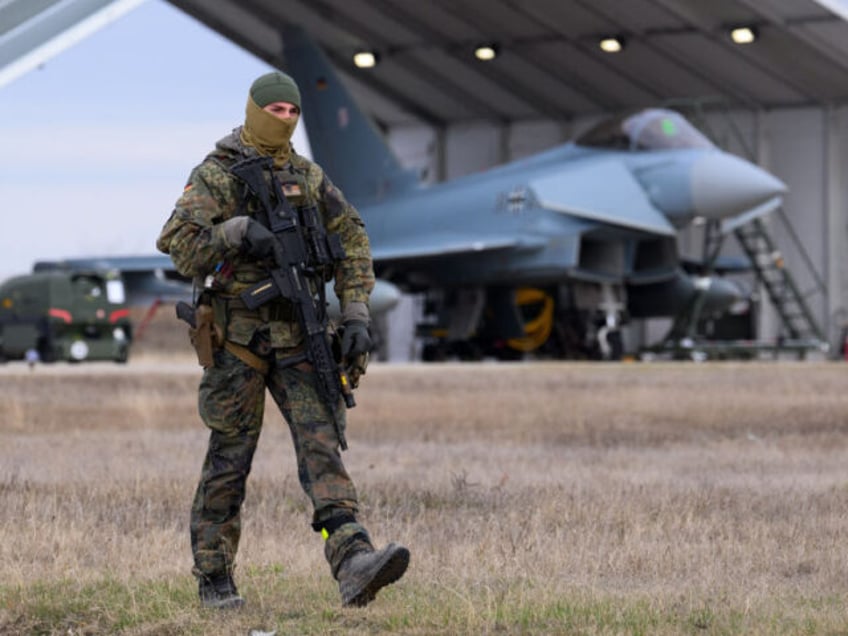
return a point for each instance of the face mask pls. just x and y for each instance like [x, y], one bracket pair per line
[270, 135]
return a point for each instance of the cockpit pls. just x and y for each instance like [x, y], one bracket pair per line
[650, 129]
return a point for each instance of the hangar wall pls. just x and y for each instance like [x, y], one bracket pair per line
[806, 147]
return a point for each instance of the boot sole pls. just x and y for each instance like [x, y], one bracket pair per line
[235, 602]
[387, 573]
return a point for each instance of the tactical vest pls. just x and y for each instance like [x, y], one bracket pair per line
[232, 277]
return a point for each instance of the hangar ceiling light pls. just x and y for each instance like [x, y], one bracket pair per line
[486, 52]
[611, 44]
[743, 34]
[366, 59]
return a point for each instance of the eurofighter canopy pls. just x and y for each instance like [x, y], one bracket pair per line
[650, 129]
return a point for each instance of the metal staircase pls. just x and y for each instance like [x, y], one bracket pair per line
[798, 325]
[799, 331]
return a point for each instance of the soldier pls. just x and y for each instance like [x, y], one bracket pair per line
[214, 236]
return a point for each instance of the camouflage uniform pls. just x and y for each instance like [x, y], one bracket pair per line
[232, 393]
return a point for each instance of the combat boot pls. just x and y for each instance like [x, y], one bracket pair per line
[219, 592]
[363, 573]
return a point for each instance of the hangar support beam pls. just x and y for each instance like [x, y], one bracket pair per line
[32, 32]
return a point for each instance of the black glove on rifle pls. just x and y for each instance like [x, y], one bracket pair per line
[260, 242]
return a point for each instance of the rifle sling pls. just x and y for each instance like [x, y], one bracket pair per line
[247, 356]
[299, 360]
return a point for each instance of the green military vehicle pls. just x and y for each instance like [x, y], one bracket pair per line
[64, 315]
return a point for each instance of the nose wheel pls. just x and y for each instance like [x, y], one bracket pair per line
[610, 343]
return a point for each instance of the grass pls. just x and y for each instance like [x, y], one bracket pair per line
[303, 606]
[535, 498]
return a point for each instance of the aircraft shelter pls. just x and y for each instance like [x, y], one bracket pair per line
[460, 86]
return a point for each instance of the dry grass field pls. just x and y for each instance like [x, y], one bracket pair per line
[646, 498]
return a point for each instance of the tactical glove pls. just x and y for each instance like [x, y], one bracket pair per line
[356, 343]
[355, 339]
[356, 367]
[261, 243]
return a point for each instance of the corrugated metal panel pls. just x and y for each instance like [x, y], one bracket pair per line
[675, 49]
[550, 65]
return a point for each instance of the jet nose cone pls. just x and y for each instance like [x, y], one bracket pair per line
[724, 185]
[384, 296]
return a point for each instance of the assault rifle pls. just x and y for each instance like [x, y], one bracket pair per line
[306, 249]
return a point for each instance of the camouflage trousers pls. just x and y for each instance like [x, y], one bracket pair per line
[231, 404]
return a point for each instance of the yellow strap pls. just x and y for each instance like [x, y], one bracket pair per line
[247, 356]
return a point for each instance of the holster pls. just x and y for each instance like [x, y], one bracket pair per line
[205, 337]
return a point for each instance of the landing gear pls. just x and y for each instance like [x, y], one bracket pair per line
[610, 344]
[580, 321]
[463, 350]
[434, 352]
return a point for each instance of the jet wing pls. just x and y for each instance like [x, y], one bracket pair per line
[122, 263]
[437, 246]
[603, 191]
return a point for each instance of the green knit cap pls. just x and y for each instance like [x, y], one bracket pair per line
[275, 87]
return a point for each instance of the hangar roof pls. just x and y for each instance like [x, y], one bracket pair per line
[550, 65]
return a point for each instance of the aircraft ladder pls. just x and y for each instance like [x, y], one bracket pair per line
[789, 303]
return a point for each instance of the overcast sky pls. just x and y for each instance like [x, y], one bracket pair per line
[97, 144]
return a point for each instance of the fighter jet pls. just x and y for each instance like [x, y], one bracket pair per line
[552, 253]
